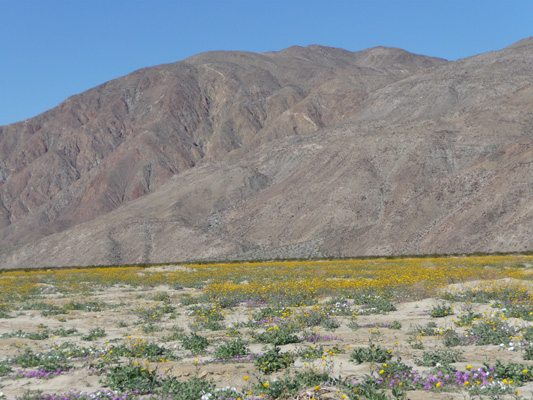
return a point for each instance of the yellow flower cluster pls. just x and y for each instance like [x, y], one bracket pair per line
[296, 282]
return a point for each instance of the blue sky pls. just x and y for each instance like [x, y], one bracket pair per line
[53, 49]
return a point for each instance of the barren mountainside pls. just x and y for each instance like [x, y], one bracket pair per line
[305, 152]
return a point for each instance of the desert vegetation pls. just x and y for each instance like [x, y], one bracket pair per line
[417, 328]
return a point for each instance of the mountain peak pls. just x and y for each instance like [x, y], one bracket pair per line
[309, 151]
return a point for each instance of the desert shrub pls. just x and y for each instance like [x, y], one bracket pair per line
[278, 336]
[441, 311]
[195, 343]
[452, 339]
[467, 319]
[5, 368]
[515, 310]
[396, 325]
[519, 373]
[26, 335]
[65, 332]
[528, 353]
[268, 313]
[161, 296]
[491, 331]
[429, 329]
[50, 361]
[373, 353]
[231, 349]
[273, 360]
[290, 385]
[85, 306]
[431, 358]
[94, 334]
[132, 378]
[187, 300]
[310, 352]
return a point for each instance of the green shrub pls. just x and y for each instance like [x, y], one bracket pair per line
[278, 336]
[195, 343]
[491, 331]
[150, 351]
[467, 319]
[431, 358]
[85, 306]
[273, 361]
[161, 296]
[395, 325]
[5, 368]
[132, 378]
[373, 353]
[231, 349]
[441, 311]
[528, 353]
[310, 352]
[94, 334]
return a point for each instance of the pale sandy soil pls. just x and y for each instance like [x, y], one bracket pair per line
[123, 301]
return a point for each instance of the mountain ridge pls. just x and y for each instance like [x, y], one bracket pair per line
[325, 151]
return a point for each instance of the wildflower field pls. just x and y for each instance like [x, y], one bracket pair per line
[417, 328]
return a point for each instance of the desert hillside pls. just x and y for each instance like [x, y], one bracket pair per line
[305, 152]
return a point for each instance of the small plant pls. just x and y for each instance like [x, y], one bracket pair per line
[441, 311]
[396, 325]
[161, 296]
[5, 368]
[452, 339]
[430, 329]
[330, 324]
[27, 335]
[4, 311]
[50, 361]
[491, 331]
[515, 372]
[269, 313]
[174, 336]
[310, 352]
[195, 343]
[85, 306]
[150, 351]
[228, 302]
[528, 353]
[132, 378]
[431, 358]
[369, 390]
[375, 305]
[353, 325]
[467, 319]
[150, 327]
[278, 336]
[395, 368]
[289, 385]
[273, 360]
[211, 326]
[94, 334]
[187, 300]
[515, 310]
[373, 353]
[65, 332]
[231, 349]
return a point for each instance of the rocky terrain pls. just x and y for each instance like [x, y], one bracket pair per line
[306, 152]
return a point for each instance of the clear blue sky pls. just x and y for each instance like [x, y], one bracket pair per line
[53, 49]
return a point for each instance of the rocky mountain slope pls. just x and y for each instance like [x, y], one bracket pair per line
[304, 152]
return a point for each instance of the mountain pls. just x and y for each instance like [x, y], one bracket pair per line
[306, 152]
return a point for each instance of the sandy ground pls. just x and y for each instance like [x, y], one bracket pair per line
[121, 303]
